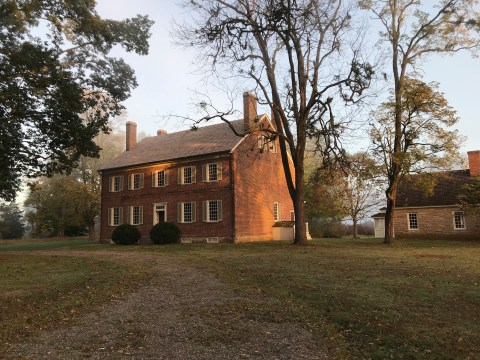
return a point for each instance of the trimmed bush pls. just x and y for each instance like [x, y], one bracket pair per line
[165, 233]
[126, 234]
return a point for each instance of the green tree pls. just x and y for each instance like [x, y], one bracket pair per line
[12, 224]
[52, 201]
[74, 201]
[54, 66]
[324, 195]
[410, 34]
[424, 142]
[362, 189]
[297, 53]
[469, 197]
[351, 189]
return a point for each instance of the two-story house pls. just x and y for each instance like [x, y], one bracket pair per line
[213, 184]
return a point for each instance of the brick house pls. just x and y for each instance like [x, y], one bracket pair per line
[213, 184]
[436, 215]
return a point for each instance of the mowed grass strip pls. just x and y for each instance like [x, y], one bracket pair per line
[361, 299]
[39, 292]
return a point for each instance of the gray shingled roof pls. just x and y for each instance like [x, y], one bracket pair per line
[445, 191]
[183, 144]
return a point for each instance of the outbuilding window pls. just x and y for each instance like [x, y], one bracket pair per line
[412, 221]
[459, 220]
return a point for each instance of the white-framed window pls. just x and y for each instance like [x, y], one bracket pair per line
[459, 220]
[115, 216]
[265, 143]
[135, 181]
[187, 175]
[212, 172]
[116, 183]
[186, 212]
[412, 221]
[212, 210]
[160, 178]
[135, 215]
[276, 211]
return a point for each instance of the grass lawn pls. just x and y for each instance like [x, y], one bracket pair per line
[39, 292]
[360, 298]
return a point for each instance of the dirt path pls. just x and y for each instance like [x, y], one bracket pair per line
[181, 314]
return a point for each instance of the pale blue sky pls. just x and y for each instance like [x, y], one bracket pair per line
[167, 78]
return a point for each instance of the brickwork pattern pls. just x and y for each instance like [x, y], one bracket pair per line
[259, 181]
[435, 223]
[172, 194]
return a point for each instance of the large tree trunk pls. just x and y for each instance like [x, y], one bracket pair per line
[389, 223]
[300, 227]
[91, 231]
[61, 227]
[355, 230]
[299, 206]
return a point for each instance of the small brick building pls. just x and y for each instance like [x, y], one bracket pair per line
[434, 215]
[214, 185]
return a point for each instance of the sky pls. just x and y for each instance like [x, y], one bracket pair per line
[168, 77]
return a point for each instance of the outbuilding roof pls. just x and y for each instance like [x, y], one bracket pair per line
[445, 191]
[204, 140]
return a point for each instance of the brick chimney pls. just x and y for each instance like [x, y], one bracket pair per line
[161, 132]
[474, 162]
[249, 111]
[131, 135]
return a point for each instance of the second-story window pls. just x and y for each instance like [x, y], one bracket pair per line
[116, 183]
[212, 172]
[266, 143]
[160, 178]
[135, 181]
[187, 175]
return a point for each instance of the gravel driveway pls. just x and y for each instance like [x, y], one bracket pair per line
[178, 315]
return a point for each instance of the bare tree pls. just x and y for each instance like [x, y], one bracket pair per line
[363, 188]
[411, 34]
[295, 53]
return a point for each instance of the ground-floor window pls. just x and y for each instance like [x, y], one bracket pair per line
[135, 215]
[412, 221]
[186, 212]
[276, 211]
[458, 220]
[115, 216]
[212, 210]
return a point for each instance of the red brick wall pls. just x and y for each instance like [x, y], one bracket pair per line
[474, 162]
[259, 181]
[435, 223]
[172, 194]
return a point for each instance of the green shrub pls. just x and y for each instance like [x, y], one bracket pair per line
[165, 233]
[126, 234]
